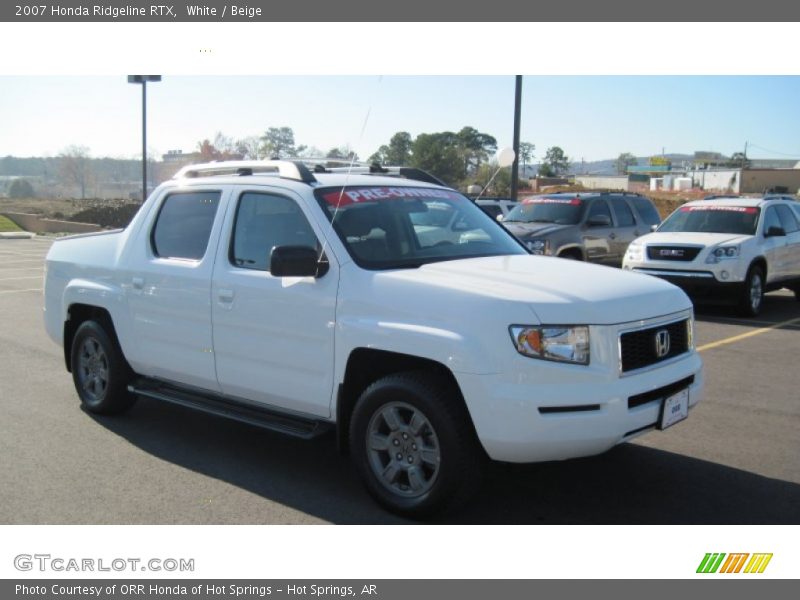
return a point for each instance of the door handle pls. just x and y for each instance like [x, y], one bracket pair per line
[612, 236]
[138, 283]
[225, 295]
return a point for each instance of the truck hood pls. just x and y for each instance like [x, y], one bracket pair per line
[692, 239]
[558, 291]
[526, 231]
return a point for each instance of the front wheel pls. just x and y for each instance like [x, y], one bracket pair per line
[413, 444]
[99, 371]
[753, 292]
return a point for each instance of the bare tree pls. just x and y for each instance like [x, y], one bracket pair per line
[75, 166]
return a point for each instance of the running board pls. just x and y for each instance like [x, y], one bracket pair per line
[235, 410]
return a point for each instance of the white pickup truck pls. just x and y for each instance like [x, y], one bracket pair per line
[303, 301]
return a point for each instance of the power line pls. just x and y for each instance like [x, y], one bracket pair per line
[752, 145]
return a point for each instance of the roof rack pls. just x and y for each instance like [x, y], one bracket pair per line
[288, 169]
[376, 169]
[300, 169]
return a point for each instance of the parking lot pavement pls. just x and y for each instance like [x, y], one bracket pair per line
[735, 460]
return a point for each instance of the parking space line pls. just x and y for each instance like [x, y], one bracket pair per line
[18, 291]
[25, 277]
[747, 334]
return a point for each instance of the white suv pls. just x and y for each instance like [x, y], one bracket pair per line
[392, 310]
[726, 249]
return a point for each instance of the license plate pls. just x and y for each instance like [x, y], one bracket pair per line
[675, 408]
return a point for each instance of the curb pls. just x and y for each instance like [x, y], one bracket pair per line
[17, 235]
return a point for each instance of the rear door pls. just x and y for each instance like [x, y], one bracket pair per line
[273, 336]
[168, 288]
[626, 228]
[597, 239]
[792, 250]
[774, 246]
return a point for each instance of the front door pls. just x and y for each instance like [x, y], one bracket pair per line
[273, 336]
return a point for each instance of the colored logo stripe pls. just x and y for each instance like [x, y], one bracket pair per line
[733, 564]
[758, 563]
[710, 563]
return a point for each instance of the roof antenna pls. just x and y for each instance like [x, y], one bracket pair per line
[352, 163]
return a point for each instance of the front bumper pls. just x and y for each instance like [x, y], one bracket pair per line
[579, 418]
[700, 285]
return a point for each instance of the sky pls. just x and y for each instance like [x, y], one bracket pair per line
[589, 117]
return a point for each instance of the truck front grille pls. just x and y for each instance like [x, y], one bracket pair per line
[645, 347]
[681, 253]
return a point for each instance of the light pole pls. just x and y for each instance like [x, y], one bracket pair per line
[517, 113]
[143, 79]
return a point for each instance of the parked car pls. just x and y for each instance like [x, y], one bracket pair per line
[593, 226]
[392, 310]
[497, 208]
[728, 250]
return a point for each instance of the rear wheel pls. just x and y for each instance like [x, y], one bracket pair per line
[99, 370]
[413, 444]
[752, 294]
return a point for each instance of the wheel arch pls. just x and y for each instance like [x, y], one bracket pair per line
[366, 366]
[77, 314]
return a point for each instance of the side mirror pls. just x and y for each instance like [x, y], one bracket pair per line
[600, 221]
[653, 227]
[500, 218]
[296, 261]
[775, 232]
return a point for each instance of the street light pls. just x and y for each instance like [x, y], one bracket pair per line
[143, 79]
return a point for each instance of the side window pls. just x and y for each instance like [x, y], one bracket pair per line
[262, 222]
[599, 207]
[493, 210]
[183, 225]
[623, 212]
[646, 210]
[788, 222]
[771, 219]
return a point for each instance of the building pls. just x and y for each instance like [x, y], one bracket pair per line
[747, 181]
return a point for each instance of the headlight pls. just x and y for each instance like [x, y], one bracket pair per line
[538, 246]
[723, 253]
[635, 251]
[560, 343]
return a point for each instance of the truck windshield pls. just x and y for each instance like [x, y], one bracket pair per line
[542, 209]
[407, 227]
[713, 219]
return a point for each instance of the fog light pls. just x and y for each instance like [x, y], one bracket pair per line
[724, 274]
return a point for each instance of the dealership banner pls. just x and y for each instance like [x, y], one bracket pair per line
[406, 11]
[388, 589]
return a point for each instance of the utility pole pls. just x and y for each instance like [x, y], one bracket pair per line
[744, 154]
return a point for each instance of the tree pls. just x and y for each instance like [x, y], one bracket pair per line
[438, 153]
[624, 160]
[20, 188]
[555, 162]
[249, 147]
[344, 153]
[474, 148]
[397, 153]
[76, 167]
[738, 160]
[501, 185]
[525, 154]
[279, 142]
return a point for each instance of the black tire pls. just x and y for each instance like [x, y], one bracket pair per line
[99, 371]
[571, 255]
[752, 294]
[797, 294]
[441, 465]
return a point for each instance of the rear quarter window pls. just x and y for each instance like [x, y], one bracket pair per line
[647, 211]
[183, 225]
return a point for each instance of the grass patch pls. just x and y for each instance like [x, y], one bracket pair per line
[8, 225]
